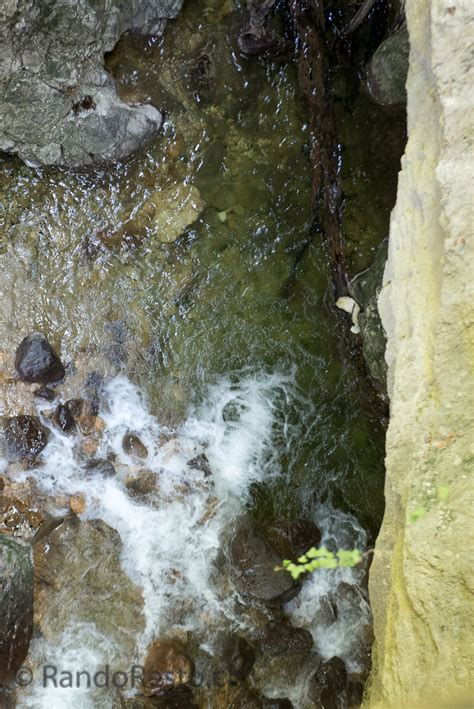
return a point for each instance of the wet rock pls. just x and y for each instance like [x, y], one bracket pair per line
[293, 538]
[142, 484]
[87, 554]
[233, 696]
[77, 407]
[36, 360]
[167, 665]
[387, 70]
[63, 419]
[278, 703]
[101, 467]
[366, 288]
[77, 504]
[177, 698]
[19, 514]
[238, 656]
[16, 605]
[45, 393]
[329, 684]
[22, 437]
[355, 691]
[201, 463]
[133, 446]
[280, 638]
[253, 562]
[89, 424]
[172, 210]
[58, 105]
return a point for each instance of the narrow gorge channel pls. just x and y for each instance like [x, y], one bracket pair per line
[213, 411]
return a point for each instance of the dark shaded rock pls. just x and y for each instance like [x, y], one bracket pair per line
[277, 703]
[16, 605]
[355, 692]
[45, 393]
[167, 665]
[101, 467]
[201, 463]
[93, 387]
[36, 360]
[22, 436]
[280, 638]
[387, 70]
[177, 698]
[365, 289]
[132, 445]
[238, 656]
[329, 684]
[77, 407]
[233, 695]
[63, 418]
[253, 563]
[292, 539]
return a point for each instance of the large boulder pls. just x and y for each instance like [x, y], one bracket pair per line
[36, 360]
[253, 564]
[16, 605]
[57, 103]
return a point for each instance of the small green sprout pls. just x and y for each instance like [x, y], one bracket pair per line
[320, 558]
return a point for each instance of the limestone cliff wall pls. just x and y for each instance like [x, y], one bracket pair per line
[421, 580]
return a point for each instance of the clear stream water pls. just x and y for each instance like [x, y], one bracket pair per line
[214, 339]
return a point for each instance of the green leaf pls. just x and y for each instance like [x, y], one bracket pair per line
[418, 513]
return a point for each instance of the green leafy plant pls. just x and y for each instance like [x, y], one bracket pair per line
[320, 558]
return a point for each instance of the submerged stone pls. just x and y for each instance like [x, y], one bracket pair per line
[22, 436]
[133, 446]
[16, 605]
[291, 539]
[64, 419]
[36, 360]
[238, 656]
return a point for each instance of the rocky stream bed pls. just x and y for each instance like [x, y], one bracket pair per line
[182, 404]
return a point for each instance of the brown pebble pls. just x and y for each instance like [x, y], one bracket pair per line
[77, 503]
[133, 446]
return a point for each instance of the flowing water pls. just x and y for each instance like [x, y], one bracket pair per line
[212, 343]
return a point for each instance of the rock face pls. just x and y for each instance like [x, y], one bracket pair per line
[57, 103]
[16, 605]
[421, 585]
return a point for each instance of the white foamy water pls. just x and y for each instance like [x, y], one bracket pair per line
[170, 542]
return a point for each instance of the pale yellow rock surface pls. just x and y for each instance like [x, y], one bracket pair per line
[421, 581]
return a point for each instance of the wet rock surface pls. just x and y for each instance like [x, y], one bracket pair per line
[58, 104]
[366, 288]
[253, 562]
[387, 71]
[77, 555]
[167, 665]
[292, 539]
[133, 446]
[238, 656]
[36, 360]
[329, 684]
[22, 437]
[16, 605]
